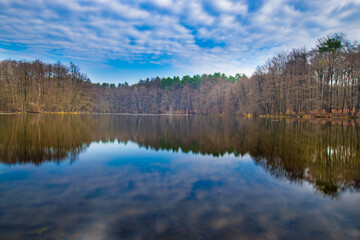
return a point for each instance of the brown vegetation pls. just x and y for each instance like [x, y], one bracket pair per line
[323, 82]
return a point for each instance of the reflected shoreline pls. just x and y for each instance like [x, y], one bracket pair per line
[323, 153]
[177, 177]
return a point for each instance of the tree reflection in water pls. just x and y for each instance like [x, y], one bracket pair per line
[322, 153]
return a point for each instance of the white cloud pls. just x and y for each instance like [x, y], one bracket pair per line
[231, 7]
[193, 35]
[163, 3]
[197, 15]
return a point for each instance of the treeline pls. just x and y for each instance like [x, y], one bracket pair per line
[325, 79]
[322, 80]
[41, 87]
[205, 94]
[38, 87]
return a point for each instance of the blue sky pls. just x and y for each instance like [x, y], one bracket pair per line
[128, 40]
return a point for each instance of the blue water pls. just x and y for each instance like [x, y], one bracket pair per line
[123, 190]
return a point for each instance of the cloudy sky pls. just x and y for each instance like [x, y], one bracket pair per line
[128, 40]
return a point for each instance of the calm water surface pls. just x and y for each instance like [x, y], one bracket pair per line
[177, 177]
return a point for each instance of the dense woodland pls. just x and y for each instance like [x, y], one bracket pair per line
[324, 79]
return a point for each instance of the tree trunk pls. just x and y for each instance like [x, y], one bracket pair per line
[357, 108]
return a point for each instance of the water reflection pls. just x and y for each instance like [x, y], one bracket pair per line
[324, 154]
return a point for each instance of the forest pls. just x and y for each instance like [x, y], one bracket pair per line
[323, 153]
[323, 80]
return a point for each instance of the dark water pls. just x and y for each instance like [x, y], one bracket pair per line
[177, 177]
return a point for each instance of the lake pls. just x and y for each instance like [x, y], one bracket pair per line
[178, 177]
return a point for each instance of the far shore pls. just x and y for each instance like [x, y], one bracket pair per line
[273, 116]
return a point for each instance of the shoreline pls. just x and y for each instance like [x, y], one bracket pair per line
[277, 116]
[309, 116]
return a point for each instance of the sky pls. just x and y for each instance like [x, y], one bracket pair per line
[127, 40]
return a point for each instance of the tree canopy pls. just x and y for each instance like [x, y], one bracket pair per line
[323, 79]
